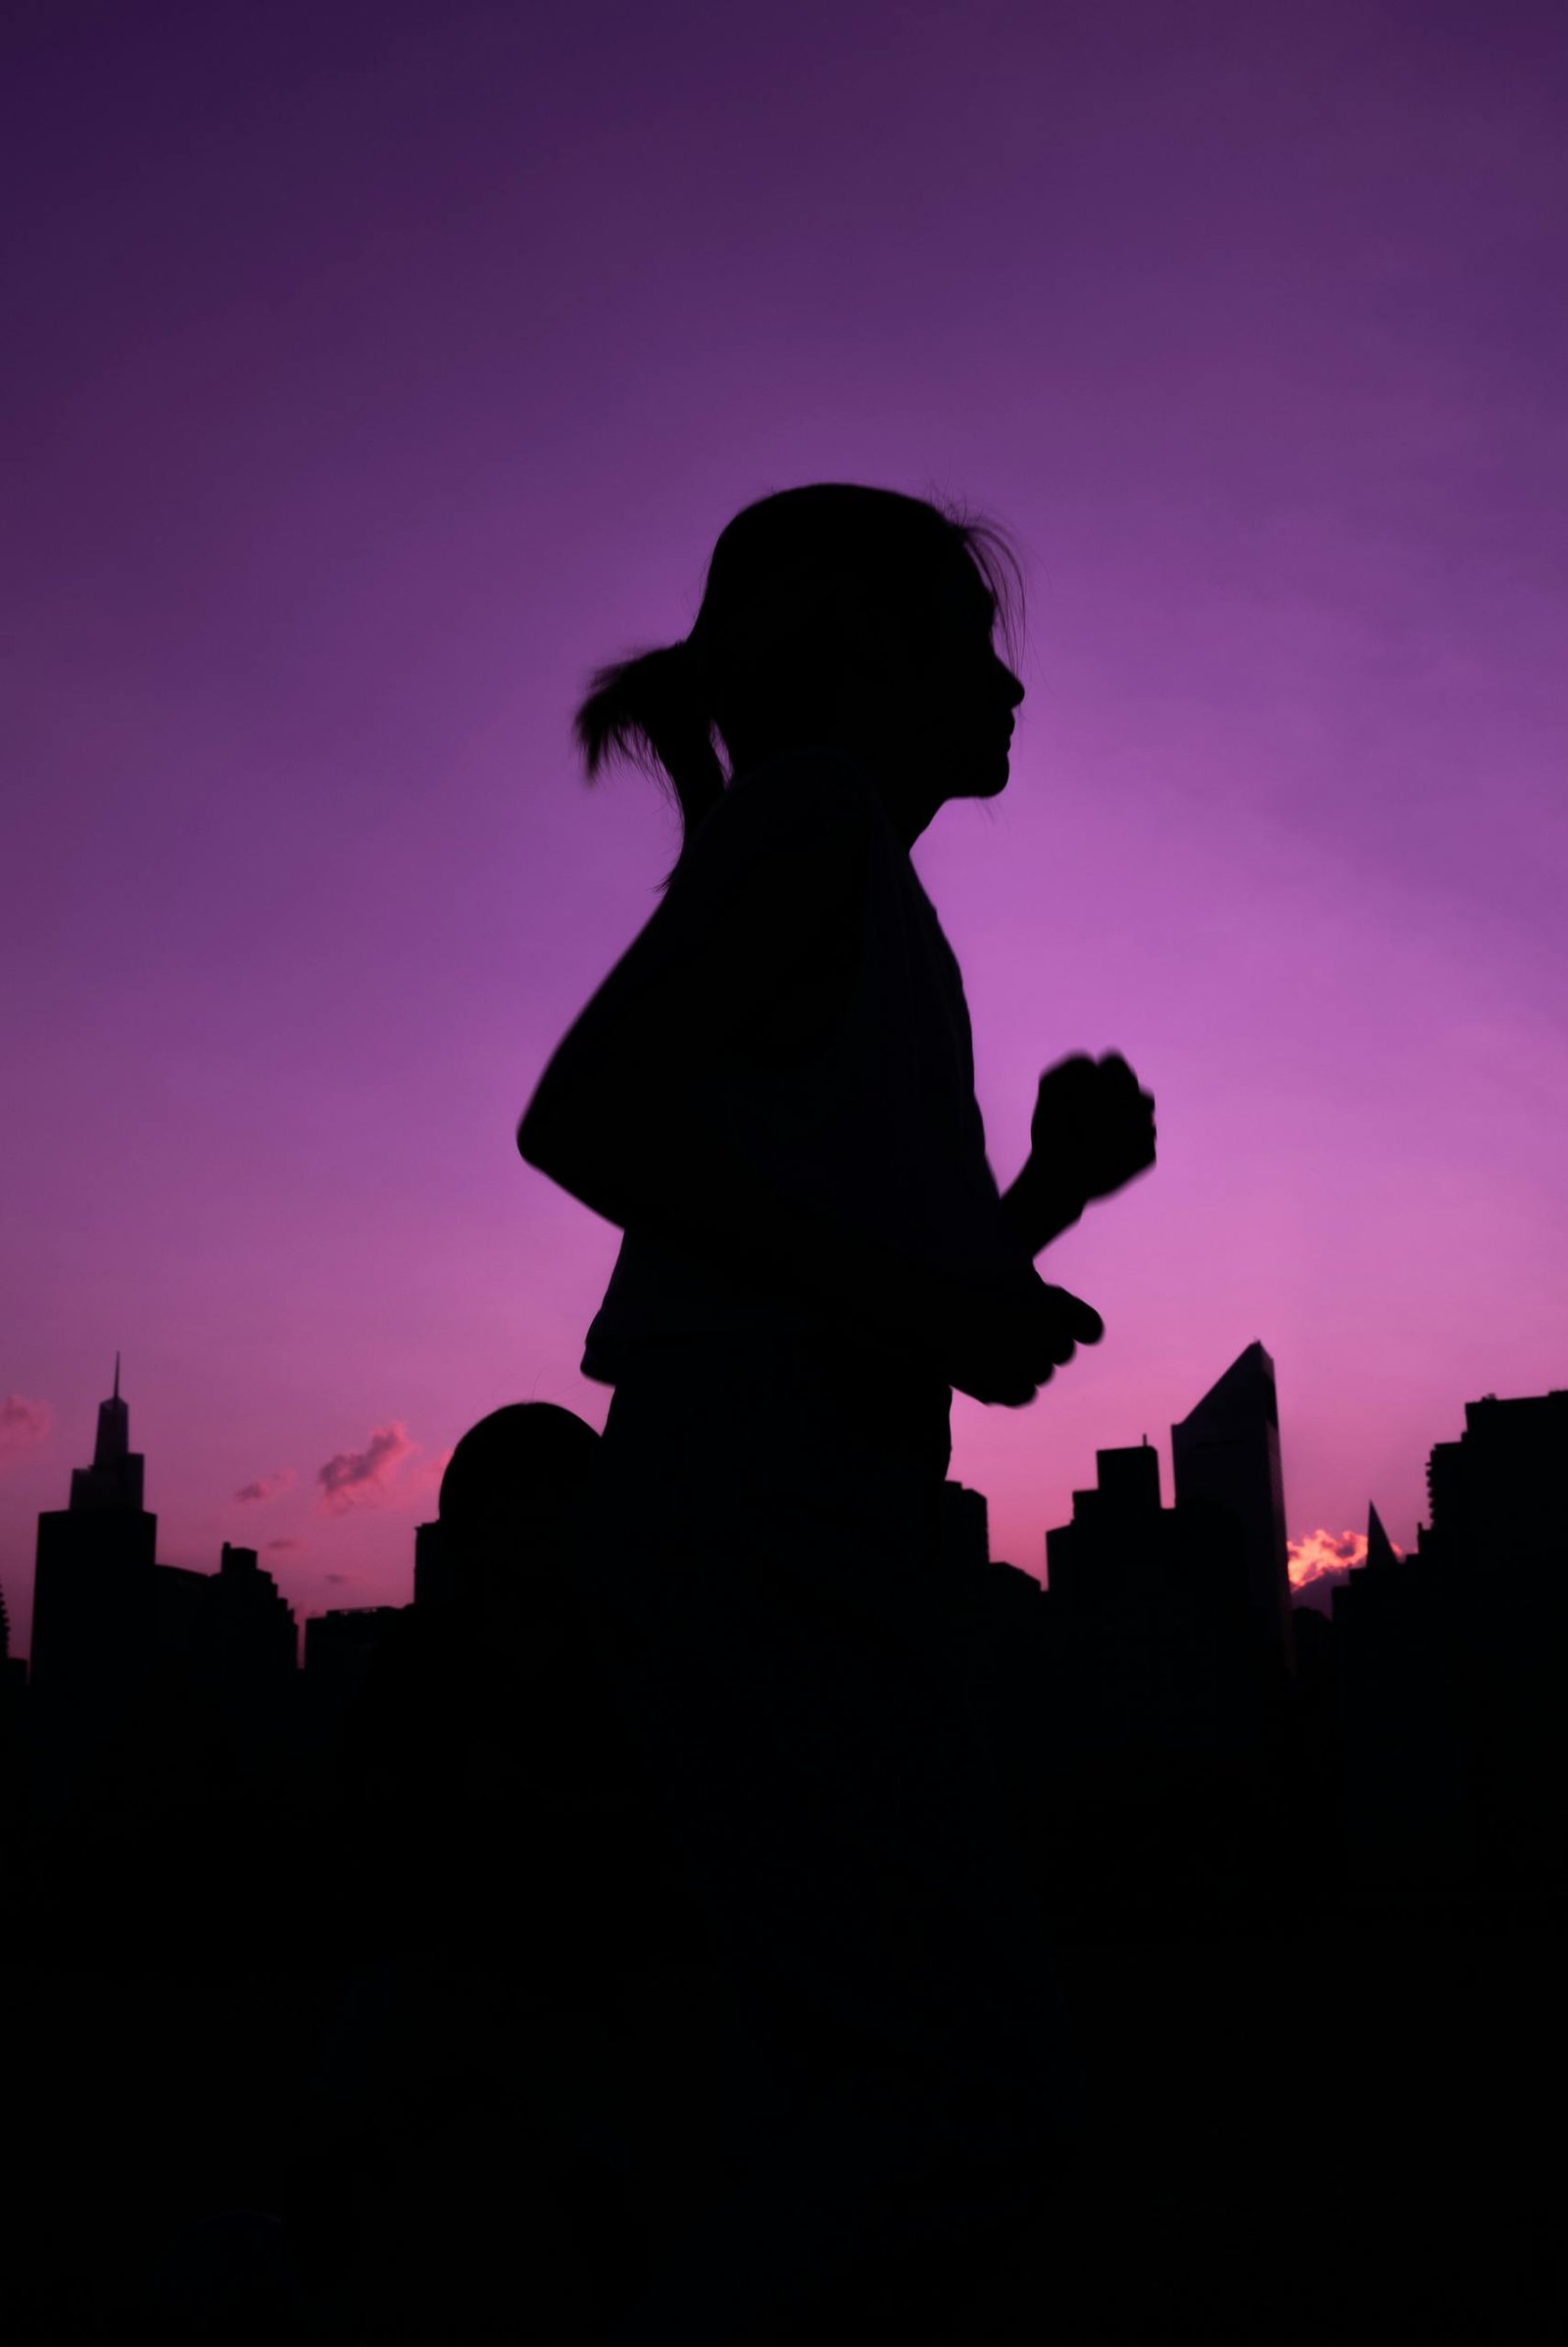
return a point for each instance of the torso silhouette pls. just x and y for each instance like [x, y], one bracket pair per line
[850, 1081]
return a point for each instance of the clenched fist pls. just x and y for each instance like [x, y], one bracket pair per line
[1093, 1129]
[1016, 1339]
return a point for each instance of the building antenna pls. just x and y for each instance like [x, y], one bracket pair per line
[117, 1377]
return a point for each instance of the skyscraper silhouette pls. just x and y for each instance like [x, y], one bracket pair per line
[433, 1567]
[964, 1536]
[1379, 1548]
[13, 1698]
[1225, 1453]
[1401, 1725]
[1496, 1496]
[249, 1654]
[1117, 1550]
[115, 1478]
[1494, 1554]
[92, 1602]
[1166, 1717]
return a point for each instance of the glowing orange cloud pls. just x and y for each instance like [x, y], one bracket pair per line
[1328, 1555]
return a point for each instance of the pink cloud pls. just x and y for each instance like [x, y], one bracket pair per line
[353, 1477]
[267, 1486]
[284, 1543]
[1328, 1556]
[24, 1425]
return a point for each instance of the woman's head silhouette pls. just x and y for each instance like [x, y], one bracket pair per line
[832, 614]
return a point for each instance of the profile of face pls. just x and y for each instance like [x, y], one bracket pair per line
[928, 706]
[908, 679]
[963, 696]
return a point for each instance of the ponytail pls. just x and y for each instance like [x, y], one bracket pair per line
[651, 709]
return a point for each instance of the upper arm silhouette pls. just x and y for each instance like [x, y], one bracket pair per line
[751, 950]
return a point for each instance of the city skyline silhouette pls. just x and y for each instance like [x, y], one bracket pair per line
[113, 1465]
[1319, 1559]
[109, 1495]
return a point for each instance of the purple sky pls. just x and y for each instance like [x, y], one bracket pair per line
[372, 372]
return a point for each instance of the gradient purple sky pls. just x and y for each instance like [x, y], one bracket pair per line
[374, 370]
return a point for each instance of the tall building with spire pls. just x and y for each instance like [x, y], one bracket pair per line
[1225, 1453]
[167, 1666]
[92, 1598]
[115, 1478]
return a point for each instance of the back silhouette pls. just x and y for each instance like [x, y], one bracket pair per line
[772, 1096]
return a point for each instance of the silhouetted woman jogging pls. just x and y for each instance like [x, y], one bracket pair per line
[772, 1096]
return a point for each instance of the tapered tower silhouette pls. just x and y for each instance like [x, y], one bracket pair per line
[115, 1478]
[1227, 1459]
[1379, 1548]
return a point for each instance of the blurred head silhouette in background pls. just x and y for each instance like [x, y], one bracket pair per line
[513, 1509]
[833, 614]
[511, 1499]
[474, 1681]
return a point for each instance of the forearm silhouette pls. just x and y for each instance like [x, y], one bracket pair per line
[1092, 1133]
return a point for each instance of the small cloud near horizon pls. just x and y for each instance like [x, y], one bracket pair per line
[283, 1544]
[267, 1486]
[351, 1478]
[1328, 1556]
[24, 1425]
